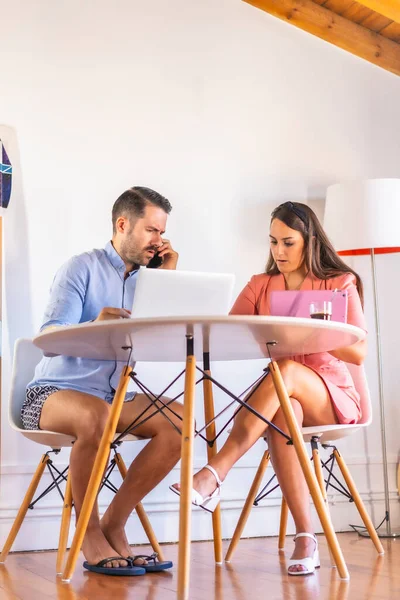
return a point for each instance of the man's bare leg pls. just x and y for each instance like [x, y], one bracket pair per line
[84, 416]
[150, 467]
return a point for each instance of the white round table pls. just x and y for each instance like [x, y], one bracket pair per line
[226, 338]
[187, 339]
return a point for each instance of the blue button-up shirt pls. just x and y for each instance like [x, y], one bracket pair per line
[82, 287]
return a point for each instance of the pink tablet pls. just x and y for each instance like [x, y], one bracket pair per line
[297, 303]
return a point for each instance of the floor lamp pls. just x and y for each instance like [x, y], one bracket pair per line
[362, 218]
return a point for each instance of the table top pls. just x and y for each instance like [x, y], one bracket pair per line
[226, 338]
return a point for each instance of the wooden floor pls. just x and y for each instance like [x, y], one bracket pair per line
[257, 573]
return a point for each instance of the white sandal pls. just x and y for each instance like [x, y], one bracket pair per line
[310, 563]
[210, 502]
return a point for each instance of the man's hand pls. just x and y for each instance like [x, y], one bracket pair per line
[169, 256]
[108, 314]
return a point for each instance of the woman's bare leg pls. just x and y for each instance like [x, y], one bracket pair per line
[312, 404]
[287, 469]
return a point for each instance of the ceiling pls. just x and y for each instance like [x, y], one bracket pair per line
[369, 29]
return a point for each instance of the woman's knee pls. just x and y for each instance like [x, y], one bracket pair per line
[286, 366]
[289, 371]
[279, 419]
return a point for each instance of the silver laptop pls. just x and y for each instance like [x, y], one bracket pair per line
[163, 293]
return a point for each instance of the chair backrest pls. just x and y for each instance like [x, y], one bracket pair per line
[26, 357]
[360, 383]
[357, 373]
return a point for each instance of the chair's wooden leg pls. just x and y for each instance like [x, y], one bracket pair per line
[283, 524]
[309, 474]
[141, 513]
[318, 470]
[97, 473]
[186, 475]
[320, 478]
[244, 515]
[65, 522]
[358, 502]
[24, 507]
[209, 414]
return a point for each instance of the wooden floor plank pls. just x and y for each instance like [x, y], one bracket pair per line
[258, 571]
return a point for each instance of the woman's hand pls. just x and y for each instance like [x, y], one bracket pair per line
[354, 354]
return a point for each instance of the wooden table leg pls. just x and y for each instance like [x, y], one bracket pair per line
[309, 474]
[209, 415]
[186, 483]
[97, 473]
[141, 513]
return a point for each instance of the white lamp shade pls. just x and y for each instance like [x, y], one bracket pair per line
[363, 214]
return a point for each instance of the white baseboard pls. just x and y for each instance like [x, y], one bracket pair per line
[40, 531]
[41, 526]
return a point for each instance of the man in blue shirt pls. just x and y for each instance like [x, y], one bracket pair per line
[73, 395]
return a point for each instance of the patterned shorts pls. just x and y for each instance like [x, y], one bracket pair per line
[35, 398]
[32, 407]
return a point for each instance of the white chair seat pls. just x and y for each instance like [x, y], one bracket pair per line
[327, 433]
[330, 433]
[26, 358]
[56, 441]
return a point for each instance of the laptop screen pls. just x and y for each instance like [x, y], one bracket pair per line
[164, 293]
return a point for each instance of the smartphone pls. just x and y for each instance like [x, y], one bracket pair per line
[155, 262]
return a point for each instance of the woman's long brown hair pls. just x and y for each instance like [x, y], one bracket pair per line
[320, 257]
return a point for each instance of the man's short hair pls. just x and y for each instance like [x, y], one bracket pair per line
[133, 202]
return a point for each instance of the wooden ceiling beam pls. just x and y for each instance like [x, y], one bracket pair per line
[337, 30]
[387, 8]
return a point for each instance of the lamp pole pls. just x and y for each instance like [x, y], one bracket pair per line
[389, 533]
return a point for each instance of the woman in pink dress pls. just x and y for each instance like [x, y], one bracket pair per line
[320, 387]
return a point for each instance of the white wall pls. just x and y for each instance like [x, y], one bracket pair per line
[225, 110]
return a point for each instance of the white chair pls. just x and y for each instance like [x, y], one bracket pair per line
[323, 435]
[26, 357]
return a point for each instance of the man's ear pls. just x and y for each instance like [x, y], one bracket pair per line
[122, 225]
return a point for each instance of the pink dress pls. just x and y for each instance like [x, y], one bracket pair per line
[255, 300]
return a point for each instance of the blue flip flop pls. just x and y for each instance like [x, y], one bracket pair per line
[129, 571]
[156, 566]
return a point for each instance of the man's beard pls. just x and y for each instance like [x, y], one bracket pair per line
[135, 256]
